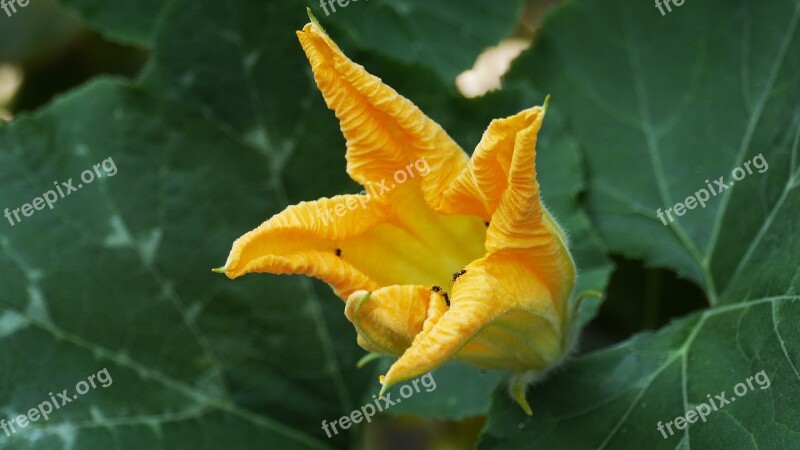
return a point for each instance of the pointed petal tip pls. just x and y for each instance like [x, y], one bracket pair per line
[224, 271]
[314, 19]
[523, 403]
[386, 386]
[546, 102]
[354, 303]
[518, 389]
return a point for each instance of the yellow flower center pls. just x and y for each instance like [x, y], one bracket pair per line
[416, 245]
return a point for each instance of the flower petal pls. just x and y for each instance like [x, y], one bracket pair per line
[479, 188]
[388, 319]
[501, 316]
[355, 242]
[500, 185]
[385, 132]
[521, 223]
[305, 239]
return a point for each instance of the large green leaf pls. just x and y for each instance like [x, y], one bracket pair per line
[663, 103]
[117, 276]
[659, 105]
[454, 391]
[617, 397]
[439, 35]
[242, 350]
[126, 22]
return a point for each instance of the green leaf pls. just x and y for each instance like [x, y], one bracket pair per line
[617, 397]
[111, 277]
[444, 37]
[255, 81]
[658, 105]
[454, 391]
[664, 103]
[125, 22]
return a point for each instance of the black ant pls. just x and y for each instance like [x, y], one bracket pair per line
[458, 274]
[444, 294]
[339, 252]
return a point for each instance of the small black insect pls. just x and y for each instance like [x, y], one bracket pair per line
[486, 223]
[458, 274]
[443, 293]
[339, 252]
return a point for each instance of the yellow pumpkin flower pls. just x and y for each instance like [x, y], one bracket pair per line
[442, 256]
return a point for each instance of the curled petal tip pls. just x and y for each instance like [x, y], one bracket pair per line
[366, 359]
[354, 302]
[586, 294]
[314, 19]
[590, 293]
[360, 295]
